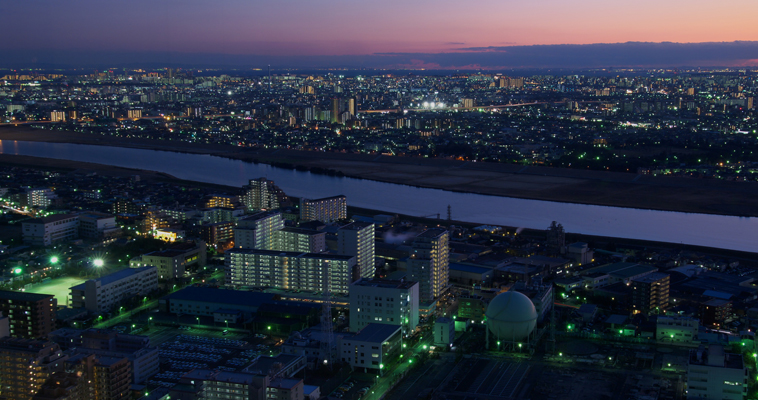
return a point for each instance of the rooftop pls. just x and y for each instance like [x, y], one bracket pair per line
[291, 254]
[341, 196]
[469, 268]
[432, 233]
[624, 269]
[385, 283]
[23, 296]
[376, 333]
[222, 296]
[116, 276]
[356, 226]
[52, 218]
[651, 278]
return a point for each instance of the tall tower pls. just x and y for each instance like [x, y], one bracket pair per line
[336, 103]
[429, 263]
[357, 239]
[556, 238]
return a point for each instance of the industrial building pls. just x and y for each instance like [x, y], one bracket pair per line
[372, 346]
[384, 301]
[715, 374]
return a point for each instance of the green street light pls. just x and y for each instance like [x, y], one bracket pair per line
[98, 262]
[18, 271]
[53, 260]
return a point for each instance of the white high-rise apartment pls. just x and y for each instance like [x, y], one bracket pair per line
[289, 270]
[357, 239]
[328, 209]
[258, 231]
[429, 263]
[262, 194]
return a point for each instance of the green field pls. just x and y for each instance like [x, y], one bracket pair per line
[58, 287]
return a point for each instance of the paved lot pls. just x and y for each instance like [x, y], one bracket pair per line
[427, 376]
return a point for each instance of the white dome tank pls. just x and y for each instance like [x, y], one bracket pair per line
[511, 316]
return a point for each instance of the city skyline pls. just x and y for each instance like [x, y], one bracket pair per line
[385, 34]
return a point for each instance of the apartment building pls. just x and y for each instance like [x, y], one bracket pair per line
[289, 270]
[30, 315]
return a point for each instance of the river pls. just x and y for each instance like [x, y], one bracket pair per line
[737, 233]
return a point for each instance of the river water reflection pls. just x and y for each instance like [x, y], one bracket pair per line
[738, 233]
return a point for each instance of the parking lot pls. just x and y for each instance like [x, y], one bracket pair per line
[196, 348]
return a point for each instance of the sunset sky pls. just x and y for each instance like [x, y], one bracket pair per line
[298, 28]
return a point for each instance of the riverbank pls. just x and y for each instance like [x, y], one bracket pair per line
[706, 196]
[601, 242]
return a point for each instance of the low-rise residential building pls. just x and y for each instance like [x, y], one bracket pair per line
[103, 294]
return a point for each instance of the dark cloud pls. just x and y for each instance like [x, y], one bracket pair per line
[632, 54]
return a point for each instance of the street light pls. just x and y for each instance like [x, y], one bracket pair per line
[53, 260]
[98, 262]
[198, 321]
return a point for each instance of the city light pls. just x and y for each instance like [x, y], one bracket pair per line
[98, 262]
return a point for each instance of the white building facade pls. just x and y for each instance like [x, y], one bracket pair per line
[289, 270]
[357, 239]
[49, 230]
[102, 294]
[386, 302]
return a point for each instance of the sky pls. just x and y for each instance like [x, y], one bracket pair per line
[333, 32]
